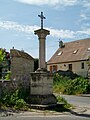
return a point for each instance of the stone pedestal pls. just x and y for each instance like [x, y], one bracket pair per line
[42, 88]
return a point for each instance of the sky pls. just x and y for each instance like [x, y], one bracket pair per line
[67, 20]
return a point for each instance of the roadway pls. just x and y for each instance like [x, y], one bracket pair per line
[82, 111]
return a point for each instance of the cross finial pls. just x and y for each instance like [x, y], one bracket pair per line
[42, 17]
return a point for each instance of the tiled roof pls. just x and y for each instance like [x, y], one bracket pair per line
[17, 53]
[72, 51]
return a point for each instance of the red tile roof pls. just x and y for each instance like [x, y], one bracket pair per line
[72, 51]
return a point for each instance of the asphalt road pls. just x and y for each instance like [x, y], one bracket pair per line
[78, 100]
[81, 102]
[59, 117]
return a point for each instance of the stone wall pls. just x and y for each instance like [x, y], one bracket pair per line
[20, 70]
[7, 86]
[21, 66]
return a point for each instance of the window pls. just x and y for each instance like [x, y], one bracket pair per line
[88, 49]
[82, 65]
[60, 53]
[70, 67]
[75, 51]
[54, 68]
[50, 68]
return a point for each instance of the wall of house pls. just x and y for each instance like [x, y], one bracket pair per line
[76, 67]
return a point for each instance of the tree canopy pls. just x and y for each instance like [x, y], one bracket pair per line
[2, 55]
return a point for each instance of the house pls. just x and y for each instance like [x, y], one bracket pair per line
[71, 56]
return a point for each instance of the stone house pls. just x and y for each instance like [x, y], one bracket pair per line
[71, 56]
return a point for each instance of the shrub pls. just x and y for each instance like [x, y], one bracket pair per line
[59, 83]
[78, 86]
[8, 75]
[20, 103]
[65, 85]
[15, 99]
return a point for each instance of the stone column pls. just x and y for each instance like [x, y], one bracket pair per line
[42, 33]
[41, 87]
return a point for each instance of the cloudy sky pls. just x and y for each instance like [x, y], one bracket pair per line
[67, 20]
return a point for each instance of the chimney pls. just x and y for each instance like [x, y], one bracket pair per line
[61, 44]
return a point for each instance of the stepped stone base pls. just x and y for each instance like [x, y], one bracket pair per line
[42, 99]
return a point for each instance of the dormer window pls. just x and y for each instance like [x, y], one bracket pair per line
[75, 51]
[60, 53]
[88, 49]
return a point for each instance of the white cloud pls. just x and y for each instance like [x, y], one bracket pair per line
[83, 16]
[49, 2]
[86, 3]
[62, 33]
[85, 32]
[9, 25]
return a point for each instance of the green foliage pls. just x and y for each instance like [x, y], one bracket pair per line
[65, 85]
[14, 99]
[20, 103]
[8, 75]
[4, 64]
[78, 86]
[64, 101]
[2, 55]
[60, 83]
[6, 99]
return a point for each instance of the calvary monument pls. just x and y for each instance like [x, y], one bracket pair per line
[41, 91]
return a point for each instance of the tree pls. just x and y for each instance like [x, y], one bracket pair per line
[4, 63]
[2, 55]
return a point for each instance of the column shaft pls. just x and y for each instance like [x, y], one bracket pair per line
[42, 55]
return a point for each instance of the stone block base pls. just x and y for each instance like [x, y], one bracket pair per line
[42, 99]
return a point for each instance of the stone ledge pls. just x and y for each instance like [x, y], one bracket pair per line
[42, 99]
[46, 107]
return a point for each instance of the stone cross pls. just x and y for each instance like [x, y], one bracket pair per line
[41, 83]
[42, 33]
[42, 17]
